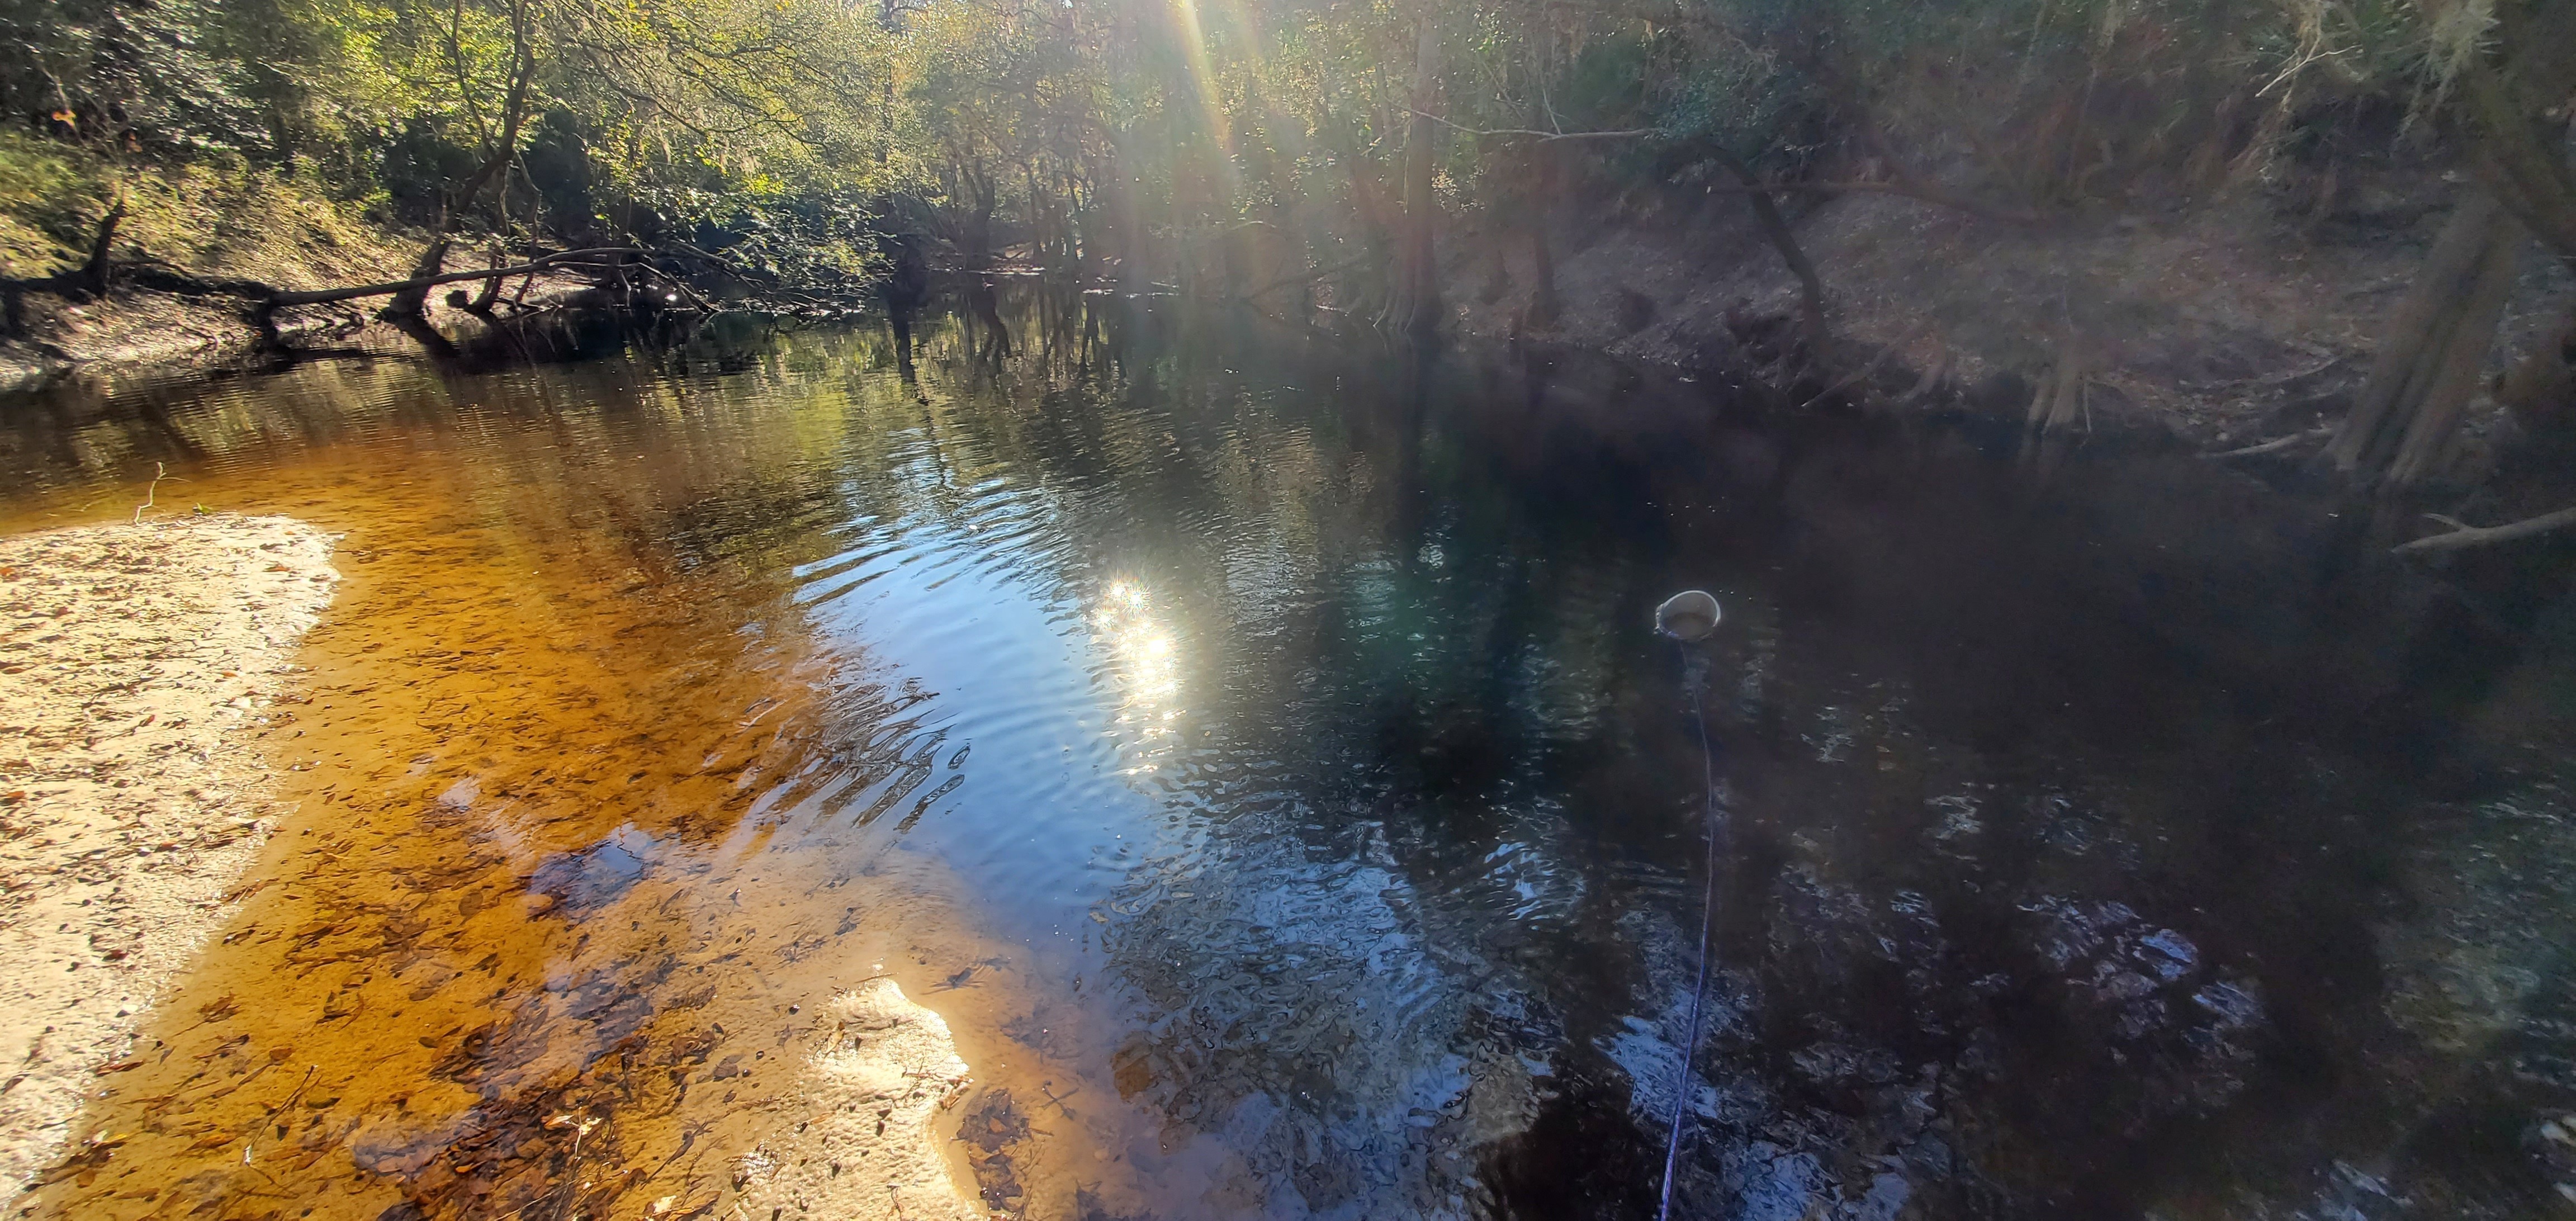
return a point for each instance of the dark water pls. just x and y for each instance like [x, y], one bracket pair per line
[2105, 835]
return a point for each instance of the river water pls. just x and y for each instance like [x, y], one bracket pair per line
[1254, 744]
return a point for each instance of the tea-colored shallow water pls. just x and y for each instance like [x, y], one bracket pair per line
[1257, 751]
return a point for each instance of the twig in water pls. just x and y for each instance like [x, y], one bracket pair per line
[300, 1087]
[1048, 1088]
[149, 490]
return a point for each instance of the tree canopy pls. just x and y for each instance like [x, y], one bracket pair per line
[1261, 145]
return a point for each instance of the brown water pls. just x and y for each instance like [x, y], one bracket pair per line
[1255, 750]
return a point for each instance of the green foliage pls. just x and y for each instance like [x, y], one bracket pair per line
[215, 213]
[1168, 135]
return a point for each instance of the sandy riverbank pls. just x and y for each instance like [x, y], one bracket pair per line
[178, 760]
[130, 657]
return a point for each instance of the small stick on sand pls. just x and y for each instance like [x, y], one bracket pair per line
[150, 490]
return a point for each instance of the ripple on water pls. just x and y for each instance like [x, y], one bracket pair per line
[1281, 799]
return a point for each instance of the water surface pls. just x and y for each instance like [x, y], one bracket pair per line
[1255, 745]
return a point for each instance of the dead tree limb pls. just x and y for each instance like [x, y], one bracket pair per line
[2464, 535]
[417, 283]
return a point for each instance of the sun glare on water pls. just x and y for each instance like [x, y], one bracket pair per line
[1147, 666]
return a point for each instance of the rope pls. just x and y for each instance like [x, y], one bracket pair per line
[1707, 919]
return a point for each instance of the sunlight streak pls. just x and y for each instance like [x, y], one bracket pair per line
[1202, 74]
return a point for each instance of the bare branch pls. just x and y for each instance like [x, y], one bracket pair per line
[2480, 536]
[1541, 136]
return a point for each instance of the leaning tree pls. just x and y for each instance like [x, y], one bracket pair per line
[2509, 70]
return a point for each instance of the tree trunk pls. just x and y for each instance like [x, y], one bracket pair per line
[2430, 356]
[1127, 222]
[410, 302]
[491, 291]
[1377, 233]
[1415, 309]
[975, 230]
[1543, 303]
[1811, 287]
[94, 273]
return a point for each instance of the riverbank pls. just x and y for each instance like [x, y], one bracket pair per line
[144, 334]
[507, 950]
[181, 224]
[2246, 315]
[132, 658]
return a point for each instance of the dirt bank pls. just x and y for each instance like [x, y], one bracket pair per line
[134, 332]
[2227, 319]
[131, 656]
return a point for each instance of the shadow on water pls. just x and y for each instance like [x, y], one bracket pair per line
[1252, 742]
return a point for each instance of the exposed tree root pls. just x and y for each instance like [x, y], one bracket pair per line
[1869, 370]
[2273, 446]
[2465, 535]
[2429, 357]
[2060, 400]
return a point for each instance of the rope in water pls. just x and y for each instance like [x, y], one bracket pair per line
[1707, 919]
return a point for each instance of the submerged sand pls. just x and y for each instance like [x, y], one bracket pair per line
[143, 768]
[132, 655]
[878, 1073]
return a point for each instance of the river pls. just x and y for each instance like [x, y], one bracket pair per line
[1255, 745]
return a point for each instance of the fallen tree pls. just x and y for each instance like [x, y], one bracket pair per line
[279, 298]
[95, 276]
